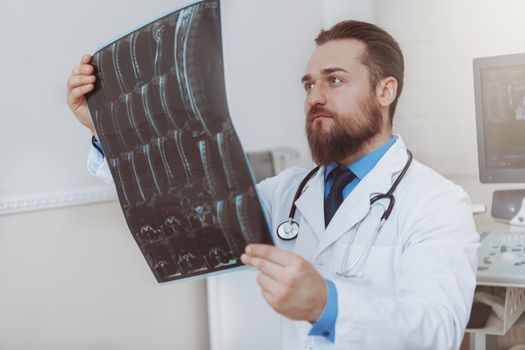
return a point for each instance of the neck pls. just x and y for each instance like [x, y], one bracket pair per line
[374, 143]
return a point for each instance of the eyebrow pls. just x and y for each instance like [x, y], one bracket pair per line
[324, 71]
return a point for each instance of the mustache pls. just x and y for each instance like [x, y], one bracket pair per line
[317, 110]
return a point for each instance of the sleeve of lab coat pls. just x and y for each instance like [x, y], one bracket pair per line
[98, 166]
[434, 281]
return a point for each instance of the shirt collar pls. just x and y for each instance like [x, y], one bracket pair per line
[362, 166]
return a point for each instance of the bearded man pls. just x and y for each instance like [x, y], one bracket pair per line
[394, 271]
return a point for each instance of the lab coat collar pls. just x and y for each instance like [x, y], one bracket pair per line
[354, 208]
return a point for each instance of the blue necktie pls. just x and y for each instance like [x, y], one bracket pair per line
[342, 177]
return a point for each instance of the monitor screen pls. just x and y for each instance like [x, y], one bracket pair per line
[499, 84]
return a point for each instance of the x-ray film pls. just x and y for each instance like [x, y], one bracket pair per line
[183, 181]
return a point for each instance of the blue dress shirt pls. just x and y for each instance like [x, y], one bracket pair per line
[325, 326]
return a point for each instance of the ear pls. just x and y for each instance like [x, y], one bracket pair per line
[386, 91]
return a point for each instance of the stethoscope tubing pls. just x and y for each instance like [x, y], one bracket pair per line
[389, 194]
[346, 272]
[301, 189]
[289, 230]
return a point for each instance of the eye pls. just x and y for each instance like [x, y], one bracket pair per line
[308, 86]
[334, 81]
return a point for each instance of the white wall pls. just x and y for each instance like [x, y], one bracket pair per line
[74, 279]
[340, 10]
[266, 45]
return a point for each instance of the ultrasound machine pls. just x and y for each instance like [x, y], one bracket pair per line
[499, 85]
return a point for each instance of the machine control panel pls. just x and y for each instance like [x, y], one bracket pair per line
[501, 257]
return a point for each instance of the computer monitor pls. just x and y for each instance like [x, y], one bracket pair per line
[499, 85]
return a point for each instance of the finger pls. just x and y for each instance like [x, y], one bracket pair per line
[76, 70]
[81, 90]
[268, 267]
[86, 59]
[268, 252]
[86, 69]
[78, 80]
[270, 285]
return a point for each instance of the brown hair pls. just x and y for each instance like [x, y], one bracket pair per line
[382, 56]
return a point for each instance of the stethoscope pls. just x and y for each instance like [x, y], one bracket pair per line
[289, 229]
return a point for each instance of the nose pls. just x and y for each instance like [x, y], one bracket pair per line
[315, 96]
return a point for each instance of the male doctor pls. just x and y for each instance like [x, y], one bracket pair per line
[341, 284]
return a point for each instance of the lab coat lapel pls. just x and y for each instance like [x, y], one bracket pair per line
[311, 203]
[356, 206]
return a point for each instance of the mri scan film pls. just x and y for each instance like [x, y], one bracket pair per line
[182, 178]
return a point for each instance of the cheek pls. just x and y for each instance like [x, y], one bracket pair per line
[350, 102]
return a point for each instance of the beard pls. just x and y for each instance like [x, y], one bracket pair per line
[347, 134]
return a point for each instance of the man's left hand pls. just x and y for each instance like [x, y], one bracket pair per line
[289, 283]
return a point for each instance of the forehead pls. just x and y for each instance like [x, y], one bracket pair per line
[344, 53]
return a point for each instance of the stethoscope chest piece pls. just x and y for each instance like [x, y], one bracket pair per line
[288, 230]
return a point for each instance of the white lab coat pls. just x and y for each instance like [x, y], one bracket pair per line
[419, 277]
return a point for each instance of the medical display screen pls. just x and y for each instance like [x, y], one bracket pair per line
[503, 100]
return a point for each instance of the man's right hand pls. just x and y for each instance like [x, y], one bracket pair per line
[79, 84]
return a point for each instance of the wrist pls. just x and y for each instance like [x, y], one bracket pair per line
[321, 305]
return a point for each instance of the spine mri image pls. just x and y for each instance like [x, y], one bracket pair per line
[182, 178]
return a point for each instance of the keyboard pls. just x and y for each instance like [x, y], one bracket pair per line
[501, 257]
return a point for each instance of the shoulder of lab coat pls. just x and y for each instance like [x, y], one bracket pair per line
[434, 278]
[98, 166]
